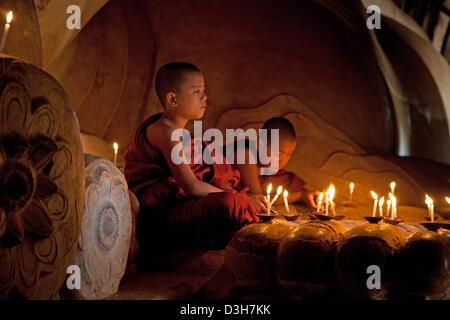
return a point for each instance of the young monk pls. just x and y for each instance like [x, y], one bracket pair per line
[186, 203]
[257, 183]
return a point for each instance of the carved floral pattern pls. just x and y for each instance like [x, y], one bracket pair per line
[34, 158]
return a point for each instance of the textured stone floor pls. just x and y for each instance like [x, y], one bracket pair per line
[193, 268]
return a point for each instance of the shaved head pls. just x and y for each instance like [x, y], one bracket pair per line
[286, 128]
[170, 77]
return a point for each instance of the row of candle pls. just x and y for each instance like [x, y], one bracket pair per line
[271, 202]
[378, 204]
[329, 203]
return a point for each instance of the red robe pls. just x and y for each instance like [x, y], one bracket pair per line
[149, 177]
[289, 180]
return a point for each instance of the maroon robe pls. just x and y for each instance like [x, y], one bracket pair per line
[164, 201]
[289, 180]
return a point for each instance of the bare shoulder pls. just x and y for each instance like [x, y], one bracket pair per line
[159, 134]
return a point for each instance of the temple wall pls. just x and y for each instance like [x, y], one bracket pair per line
[318, 53]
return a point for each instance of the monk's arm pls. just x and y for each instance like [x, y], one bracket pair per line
[182, 172]
[250, 173]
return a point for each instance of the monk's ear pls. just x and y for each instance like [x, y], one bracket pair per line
[171, 99]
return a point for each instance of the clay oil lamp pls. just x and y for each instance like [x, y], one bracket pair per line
[432, 225]
[289, 215]
[270, 212]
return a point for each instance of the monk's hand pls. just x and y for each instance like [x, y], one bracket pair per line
[259, 202]
[308, 197]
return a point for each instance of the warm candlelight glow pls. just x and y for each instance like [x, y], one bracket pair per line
[319, 205]
[9, 17]
[329, 197]
[380, 205]
[285, 195]
[375, 197]
[447, 199]
[352, 186]
[269, 189]
[116, 148]
[392, 186]
[394, 205]
[430, 206]
[428, 200]
[6, 30]
[279, 190]
[269, 204]
[388, 210]
[330, 192]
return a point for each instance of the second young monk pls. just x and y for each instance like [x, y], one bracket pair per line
[257, 183]
[183, 202]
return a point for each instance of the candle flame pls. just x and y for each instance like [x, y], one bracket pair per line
[380, 203]
[285, 193]
[330, 192]
[428, 200]
[374, 195]
[392, 186]
[279, 190]
[388, 202]
[9, 17]
[269, 188]
[393, 199]
[352, 186]
[321, 197]
[447, 199]
[116, 146]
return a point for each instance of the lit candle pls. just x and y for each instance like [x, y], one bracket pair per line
[319, 205]
[392, 187]
[380, 205]
[269, 205]
[375, 197]
[269, 190]
[388, 211]
[6, 30]
[116, 148]
[285, 194]
[279, 190]
[430, 205]
[329, 197]
[352, 186]
[394, 205]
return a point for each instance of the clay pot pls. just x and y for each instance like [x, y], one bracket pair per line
[251, 253]
[305, 258]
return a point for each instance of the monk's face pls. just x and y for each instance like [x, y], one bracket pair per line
[191, 99]
[286, 148]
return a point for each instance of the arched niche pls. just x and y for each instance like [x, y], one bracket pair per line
[422, 94]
